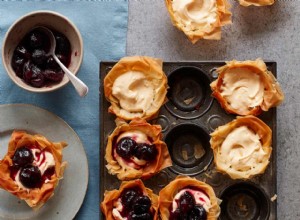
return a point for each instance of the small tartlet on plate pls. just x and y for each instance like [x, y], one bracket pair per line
[122, 201]
[203, 194]
[246, 87]
[256, 2]
[38, 196]
[242, 148]
[136, 87]
[135, 150]
[199, 20]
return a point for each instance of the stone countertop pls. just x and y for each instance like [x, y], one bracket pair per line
[271, 33]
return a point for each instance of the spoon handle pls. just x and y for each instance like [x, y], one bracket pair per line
[80, 86]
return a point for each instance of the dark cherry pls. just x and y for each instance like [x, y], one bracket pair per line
[141, 205]
[125, 147]
[51, 63]
[128, 197]
[186, 202]
[198, 213]
[22, 157]
[17, 65]
[143, 216]
[39, 56]
[62, 44]
[55, 76]
[21, 51]
[37, 78]
[30, 176]
[145, 152]
[36, 39]
[64, 59]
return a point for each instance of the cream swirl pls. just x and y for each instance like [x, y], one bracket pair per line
[241, 150]
[195, 15]
[200, 199]
[243, 89]
[134, 92]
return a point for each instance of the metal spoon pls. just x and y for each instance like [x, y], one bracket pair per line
[80, 86]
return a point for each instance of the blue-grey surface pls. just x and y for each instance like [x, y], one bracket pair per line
[103, 25]
[269, 32]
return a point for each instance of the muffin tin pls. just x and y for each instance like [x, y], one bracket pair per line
[187, 119]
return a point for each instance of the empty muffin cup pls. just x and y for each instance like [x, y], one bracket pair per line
[245, 201]
[189, 93]
[189, 149]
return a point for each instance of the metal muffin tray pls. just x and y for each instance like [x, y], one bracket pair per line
[187, 119]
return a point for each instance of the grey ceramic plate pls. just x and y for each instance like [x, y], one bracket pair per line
[71, 190]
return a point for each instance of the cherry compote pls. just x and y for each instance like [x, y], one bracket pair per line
[136, 206]
[23, 165]
[31, 62]
[127, 148]
[188, 209]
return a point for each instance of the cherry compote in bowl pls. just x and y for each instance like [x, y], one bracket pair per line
[24, 52]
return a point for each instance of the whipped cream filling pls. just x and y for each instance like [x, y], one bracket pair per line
[42, 159]
[140, 138]
[195, 15]
[200, 198]
[134, 92]
[241, 150]
[243, 89]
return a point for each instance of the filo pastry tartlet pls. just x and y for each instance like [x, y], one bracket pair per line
[135, 150]
[199, 19]
[246, 87]
[186, 196]
[242, 148]
[256, 2]
[32, 168]
[132, 201]
[136, 87]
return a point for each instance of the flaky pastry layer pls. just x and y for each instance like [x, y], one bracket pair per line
[167, 194]
[36, 197]
[210, 32]
[256, 2]
[110, 197]
[151, 68]
[161, 161]
[258, 127]
[272, 94]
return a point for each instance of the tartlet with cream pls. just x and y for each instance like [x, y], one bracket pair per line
[186, 196]
[132, 201]
[242, 148]
[32, 168]
[199, 19]
[246, 87]
[135, 150]
[256, 2]
[136, 87]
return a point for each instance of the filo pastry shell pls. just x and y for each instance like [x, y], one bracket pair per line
[111, 197]
[199, 19]
[35, 197]
[167, 194]
[246, 87]
[127, 172]
[256, 2]
[136, 87]
[242, 147]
